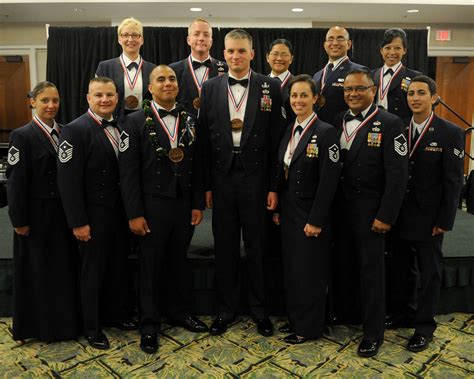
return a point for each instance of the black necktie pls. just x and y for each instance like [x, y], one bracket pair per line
[329, 68]
[416, 134]
[298, 130]
[197, 64]
[388, 72]
[163, 112]
[243, 82]
[349, 117]
[106, 123]
[54, 132]
[276, 77]
[132, 65]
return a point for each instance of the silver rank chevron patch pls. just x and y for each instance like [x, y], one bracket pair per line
[124, 141]
[13, 156]
[459, 153]
[65, 152]
[400, 144]
[334, 153]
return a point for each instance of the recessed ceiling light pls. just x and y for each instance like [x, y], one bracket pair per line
[412, 11]
[78, 9]
[195, 9]
[296, 10]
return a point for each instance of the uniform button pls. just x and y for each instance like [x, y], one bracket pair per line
[297, 182]
[218, 134]
[298, 171]
[358, 191]
[189, 185]
[218, 148]
[217, 162]
[396, 109]
[104, 171]
[190, 172]
[158, 186]
[190, 158]
[342, 178]
[297, 192]
[50, 172]
[358, 179]
[256, 163]
[101, 197]
[158, 172]
[408, 190]
[255, 135]
[409, 176]
[51, 182]
[255, 150]
[52, 193]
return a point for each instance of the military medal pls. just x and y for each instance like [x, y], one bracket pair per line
[383, 90]
[197, 103]
[292, 144]
[131, 102]
[42, 127]
[237, 125]
[374, 139]
[197, 100]
[325, 76]
[286, 170]
[426, 126]
[176, 154]
[172, 135]
[348, 137]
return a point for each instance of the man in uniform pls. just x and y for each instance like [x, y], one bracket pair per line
[330, 79]
[161, 180]
[193, 71]
[88, 181]
[129, 71]
[374, 153]
[241, 123]
[436, 151]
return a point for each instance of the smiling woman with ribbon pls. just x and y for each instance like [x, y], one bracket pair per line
[393, 78]
[45, 298]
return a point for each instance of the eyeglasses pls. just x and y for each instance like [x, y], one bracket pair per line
[128, 35]
[338, 39]
[358, 89]
[282, 55]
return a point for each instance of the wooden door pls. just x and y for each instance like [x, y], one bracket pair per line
[14, 86]
[455, 83]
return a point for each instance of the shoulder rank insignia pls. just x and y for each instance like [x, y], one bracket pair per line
[400, 145]
[124, 141]
[459, 153]
[334, 153]
[13, 156]
[65, 152]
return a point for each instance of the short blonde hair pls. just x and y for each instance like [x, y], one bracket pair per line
[199, 20]
[130, 22]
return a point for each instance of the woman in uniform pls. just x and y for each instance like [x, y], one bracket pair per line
[393, 78]
[309, 173]
[44, 252]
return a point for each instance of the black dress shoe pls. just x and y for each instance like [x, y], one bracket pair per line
[264, 327]
[99, 341]
[149, 343]
[285, 328]
[295, 339]
[368, 348]
[193, 324]
[219, 326]
[419, 342]
[128, 325]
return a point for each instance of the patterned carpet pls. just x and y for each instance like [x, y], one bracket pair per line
[241, 352]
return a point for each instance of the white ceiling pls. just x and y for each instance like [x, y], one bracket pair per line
[235, 13]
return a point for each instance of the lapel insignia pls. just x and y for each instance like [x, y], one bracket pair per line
[13, 156]
[433, 144]
[266, 103]
[377, 123]
[458, 153]
[65, 152]
[400, 145]
[220, 68]
[124, 141]
[312, 150]
[265, 85]
[334, 153]
[374, 139]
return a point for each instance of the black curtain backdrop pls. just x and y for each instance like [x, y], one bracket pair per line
[75, 52]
